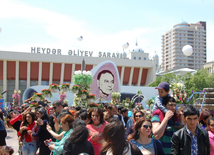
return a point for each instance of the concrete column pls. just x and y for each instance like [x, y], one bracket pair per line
[51, 73]
[5, 78]
[139, 76]
[62, 73]
[72, 72]
[40, 74]
[28, 74]
[122, 74]
[131, 76]
[17, 76]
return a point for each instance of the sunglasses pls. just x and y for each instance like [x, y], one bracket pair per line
[138, 115]
[147, 126]
[54, 107]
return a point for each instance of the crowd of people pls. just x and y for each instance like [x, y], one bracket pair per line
[114, 130]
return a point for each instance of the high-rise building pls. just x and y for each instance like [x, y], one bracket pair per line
[180, 35]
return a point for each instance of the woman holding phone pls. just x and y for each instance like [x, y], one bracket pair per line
[42, 132]
[67, 126]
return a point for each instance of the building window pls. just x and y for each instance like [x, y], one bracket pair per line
[199, 54]
[144, 58]
[134, 58]
[139, 58]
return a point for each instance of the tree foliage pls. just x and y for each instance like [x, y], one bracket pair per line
[193, 82]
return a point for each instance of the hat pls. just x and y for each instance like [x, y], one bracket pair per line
[163, 85]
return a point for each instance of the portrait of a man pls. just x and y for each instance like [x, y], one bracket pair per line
[105, 82]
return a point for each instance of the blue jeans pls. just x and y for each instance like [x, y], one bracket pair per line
[29, 148]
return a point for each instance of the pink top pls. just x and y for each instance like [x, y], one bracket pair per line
[211, 137]
[96, 142]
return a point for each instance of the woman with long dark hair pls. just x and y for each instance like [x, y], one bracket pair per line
[115, 142]
[78, 143]
[140, 138]
[28, 126]
[203, 118]
[136, 115]
[96, 126]
[42, 134]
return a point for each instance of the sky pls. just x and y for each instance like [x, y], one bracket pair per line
[104, 25]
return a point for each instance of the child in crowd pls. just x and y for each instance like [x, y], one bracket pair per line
[159, 109]
[163, 92]
[5, 150]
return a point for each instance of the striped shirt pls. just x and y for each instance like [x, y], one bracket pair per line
[167, 136]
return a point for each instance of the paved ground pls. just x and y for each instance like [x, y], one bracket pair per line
[12, 140]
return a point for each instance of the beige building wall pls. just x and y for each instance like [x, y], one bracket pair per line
[209, 66]
[180, 35]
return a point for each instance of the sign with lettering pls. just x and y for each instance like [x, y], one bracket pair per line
[78, 52]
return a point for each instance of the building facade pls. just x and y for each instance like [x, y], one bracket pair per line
[175, 39]
[209, 66]
[19, 71]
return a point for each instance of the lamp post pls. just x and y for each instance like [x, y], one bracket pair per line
[83, 65]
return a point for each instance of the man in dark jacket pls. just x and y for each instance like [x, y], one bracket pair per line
[191, 139]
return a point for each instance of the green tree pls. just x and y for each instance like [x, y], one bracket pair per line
[157, 82]
[193, 82]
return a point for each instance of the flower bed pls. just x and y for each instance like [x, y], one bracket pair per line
[37, 97]
[54, 87]
[178, 92]
[75, 89]
[65, 87]
[46, 93]
[84, 80]
[33, 104]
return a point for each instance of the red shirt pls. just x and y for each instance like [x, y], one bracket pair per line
[28, 137]
[17, 118]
